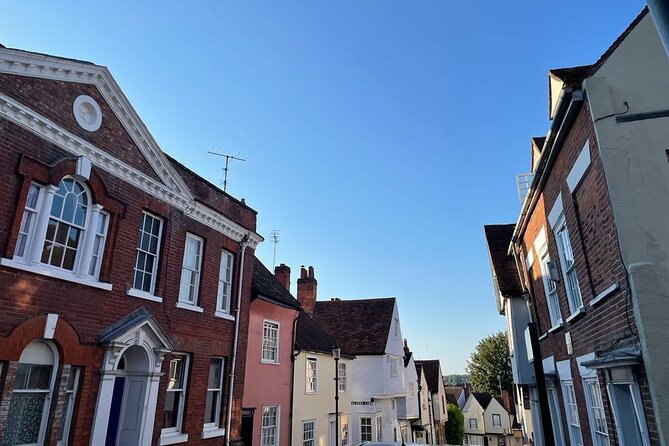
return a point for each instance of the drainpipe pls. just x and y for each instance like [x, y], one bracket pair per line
[293, 356]
[659, 9]
[242, 248]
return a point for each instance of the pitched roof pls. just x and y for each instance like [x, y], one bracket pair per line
[451, 398]
[454, 391]
[483, 398]
[432, 372]
[312, 336]
[505, 273]
[267, 287]
[360, 326]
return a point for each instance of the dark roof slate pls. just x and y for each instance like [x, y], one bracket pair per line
[505, 273]
[432, 371]
[360, 326]
[483, 398]
[266, 286]
[312, 336]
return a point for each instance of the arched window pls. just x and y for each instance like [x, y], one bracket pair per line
[33, 384]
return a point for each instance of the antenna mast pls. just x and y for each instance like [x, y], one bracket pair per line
[225, 169]
[274, 236]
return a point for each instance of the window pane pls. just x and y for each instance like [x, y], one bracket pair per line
[214, 374]
[171, 415]
[24, 419]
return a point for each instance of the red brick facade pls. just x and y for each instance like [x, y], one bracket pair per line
[84, 311]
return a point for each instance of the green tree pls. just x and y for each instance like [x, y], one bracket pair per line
[489, 367]
[455, 426]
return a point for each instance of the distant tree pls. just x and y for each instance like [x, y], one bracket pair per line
[455, 425]
[490, 365]
[455, 380]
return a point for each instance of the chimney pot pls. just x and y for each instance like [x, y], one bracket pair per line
[306, 290]
[303, 272]
[311, 271]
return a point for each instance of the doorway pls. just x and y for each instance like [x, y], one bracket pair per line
[247, 427]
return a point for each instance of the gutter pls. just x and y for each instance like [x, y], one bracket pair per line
[243, 244]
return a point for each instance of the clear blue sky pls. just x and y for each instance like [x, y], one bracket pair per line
[380, 136]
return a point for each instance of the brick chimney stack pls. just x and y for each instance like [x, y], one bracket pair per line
[306, 289]
[506, 399]
[282, 274]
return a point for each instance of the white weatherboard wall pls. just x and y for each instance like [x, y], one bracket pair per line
[494, 407]
[637, 177]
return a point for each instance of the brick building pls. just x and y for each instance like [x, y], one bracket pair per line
[125, 277]
[590, 248]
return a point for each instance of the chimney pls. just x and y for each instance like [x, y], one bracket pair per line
[282, 274]
[306, 289]
[506, 400]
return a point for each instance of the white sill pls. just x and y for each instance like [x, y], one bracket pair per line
[608, 290]
[191, 307]
[144, 295]
[224, 315]
[44, 270]
[210, 432]
[555, 327]
[576, 314]
[172, 438]
[269, 362]
[543, 336]
[312, 393]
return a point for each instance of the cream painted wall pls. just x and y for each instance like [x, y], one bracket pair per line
[637, 176]
[319, 406]
[473, 409]
[494, 407]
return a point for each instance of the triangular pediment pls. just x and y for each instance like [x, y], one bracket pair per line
[138, 323]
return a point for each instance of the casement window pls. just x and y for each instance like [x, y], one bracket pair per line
[474, 440]
[269, 430]
[344, 431]
[393, 365]
[30, 399]
[70, 396]
[190, 271]
[628, 409]
[473, 423]
[312, 375]
[496, 420]
[379, 428]
[550, 288]
[365, 429]
[343, 383]
[270, 342]
[595, 404]
[571, 409]
[224, 293]
[308, 433]
[63, 231]
[568, 269]
[214, 399]
[148, 248]
[175, 396]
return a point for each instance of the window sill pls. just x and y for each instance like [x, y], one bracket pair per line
[269, 362]
[224, 315]
[576, 314]
[56, 274]
[555, 327]
[172, 438]
[190, 307]
[144, 295]
[608, 290]
[543, 336]
[210, 432]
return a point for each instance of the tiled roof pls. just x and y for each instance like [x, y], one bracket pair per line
[432, 372]
[539, 141]
[483, 398]
[360, 326]
[267, 287]
[451, 398]
[498, 238]
[453, 391]
[312, 336]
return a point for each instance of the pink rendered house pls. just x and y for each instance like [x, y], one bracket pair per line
[268, 381]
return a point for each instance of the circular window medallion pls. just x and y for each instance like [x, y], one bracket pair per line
[87, 113]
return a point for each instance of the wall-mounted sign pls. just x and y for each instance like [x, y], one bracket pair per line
[361, 403]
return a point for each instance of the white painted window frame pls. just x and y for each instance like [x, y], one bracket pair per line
[599, 438]
[556, 418]
[638, 409]
[379, 428]
[214, 427]
[345, 438]
[499, 420]
[311, 374]
[276, 426]
[370, 425]
[193, 300]
[475, 424]
[273, 326]
[568, 266]
[571, 411]
[225, 273]
[550, 288]
[156, 257]
[343, 378]
[309, 441]
[71, 396]
[176, 432]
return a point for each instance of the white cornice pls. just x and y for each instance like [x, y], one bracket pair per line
[52, 132]
[48, 67]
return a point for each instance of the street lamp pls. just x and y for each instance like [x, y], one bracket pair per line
[336, 354]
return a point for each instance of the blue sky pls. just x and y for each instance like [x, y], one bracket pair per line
[379, 136]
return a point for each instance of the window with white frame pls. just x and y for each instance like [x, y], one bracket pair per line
[70, 396]
[568, 269]
[343, 380]
[571, 408]
[600, 434]
[269, 435]
[365, 429]
[30, 399]
[148, 247]
[628, 408]
[176, 395]
[312, 375]
[270, 342]
[550, 288]
[393, 366]
[190, 271]
[379, 428]
[344, 430]
[496, 420]
[554, 408]
[473, 423]
[224, 293]
[474, 440]
[62, 229]
[308, 433]
[213, 401]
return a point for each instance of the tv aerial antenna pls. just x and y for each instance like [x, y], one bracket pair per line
[225, 169]
[274, 237]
